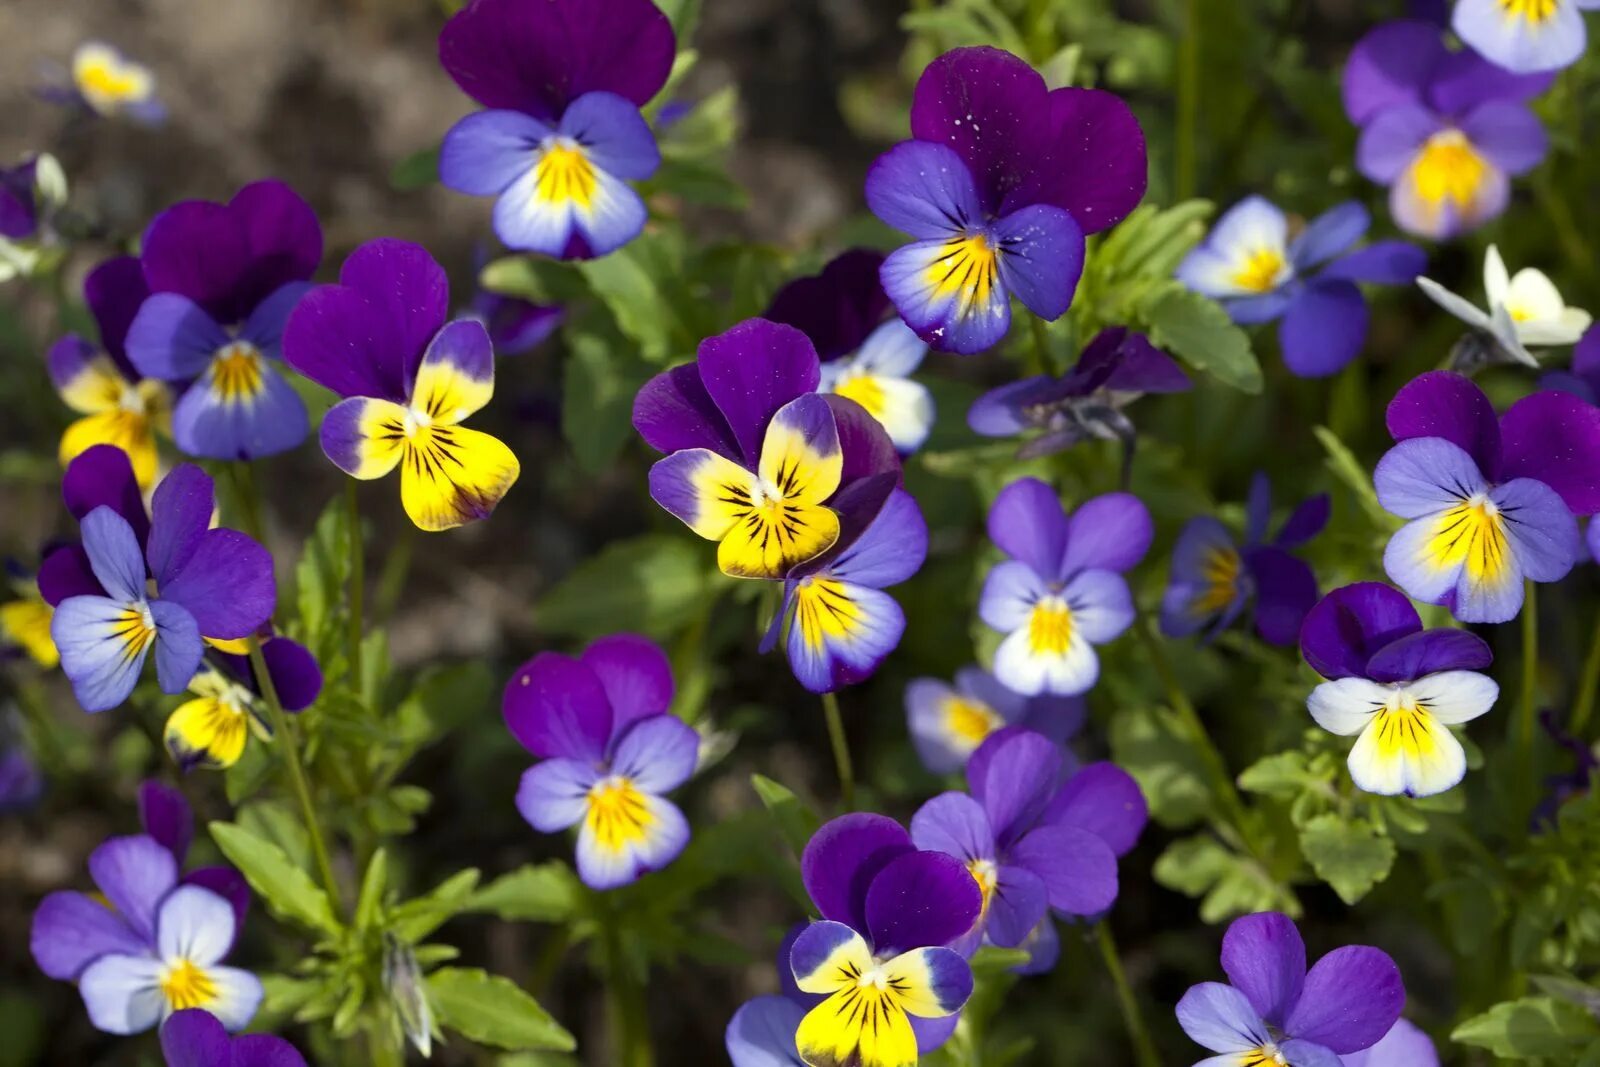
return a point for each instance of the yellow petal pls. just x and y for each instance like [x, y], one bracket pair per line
[450, 476]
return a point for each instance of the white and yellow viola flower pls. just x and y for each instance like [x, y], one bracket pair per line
[211, 730]
[878, 377]
[117, 408]
[110, 84]
[1525, 309]
[1246, 255]
[1525, 36]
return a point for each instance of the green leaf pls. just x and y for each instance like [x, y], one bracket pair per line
[546, 892]
[1282, 775]
[417, 171]
[600, 381]
[1528, 1028]
[1227, 883]
[698, 182]
[288, 891]
[1356, 476]
[1147, 241]
[1149, 744]
[636, 283]
[492, 1010]
[421, 916]
[373, 885]
[537, 280]
[708, 129]
[1199, 332]
[796, 822]
[654, 585]
[1350, 855]
[320, 578]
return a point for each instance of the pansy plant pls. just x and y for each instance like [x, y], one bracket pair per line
[1525, 310]
[106, 83]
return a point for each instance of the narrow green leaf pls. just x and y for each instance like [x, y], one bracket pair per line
[373, 885]
[288, 891]
[492, 1010]
[421, 916]
[796, 822]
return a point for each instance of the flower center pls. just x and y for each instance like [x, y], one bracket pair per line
[968, 269]
[1449, 168]
[1263, 270]
[187, 986]
[1220, 572]
[1534, 11]
[987, 876]
[618, 815]
[1265, 1056]
[1050, 627]
[236, 372]
[135, 627]
[1470, 534]
[971, 720]
[563, 174]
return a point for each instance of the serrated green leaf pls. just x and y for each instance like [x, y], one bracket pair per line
[1528, 1028]
[1350, 855]
[492, 1010]
[321, 575]
[545, 892]
[1282, 775]
[653, 585]
[1226, 883]
[1199, 332]
[288, 891]
[796, 822]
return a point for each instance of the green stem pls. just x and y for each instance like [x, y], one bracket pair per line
[1143, 1048]
[1583, 705]
[358, 582]
[385, 1053]
[392, 578]
[1188, 102]
[249, 498]
[1041, 347]
[841, 750]
[630, 1028]
[297, 772]
[1530, 678]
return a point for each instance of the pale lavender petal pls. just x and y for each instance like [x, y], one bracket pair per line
[1111, 532]
[1405, 1045]
[1220, 1018]
[1392, 140]
[484, 153]
[1509, 135]
[955, 824]
[135, 873]
[1543, 533]
[554, 793]
[1014, 780]
[923, 189]
[72, 930]
[657, 753]
[761, 1033]
[1329, 234]
[1029, 524]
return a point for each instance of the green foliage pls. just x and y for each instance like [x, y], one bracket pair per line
[1226, 882]
[794, 820]
[493, 1011]
[1536, 1029]
[654, 585]
[288, 891]
[1350, 855]
[547, 893]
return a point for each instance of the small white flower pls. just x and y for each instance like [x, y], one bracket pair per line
[1525, 309]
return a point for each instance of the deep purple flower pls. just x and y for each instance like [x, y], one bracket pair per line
[999, 186]
[223, 279]
[563, 82]
[19, 201]
[863, 357]
[1275, 1011]
[1446, 131]
[166, 584]
[1249, 262]
[1397, 686]
[1062, 591]
[1403, 1046]
[1526, 38]
[949, 722]
[609, 752]
[1490, 501]
[1213, 577]
[194, 1038]
[757, 459]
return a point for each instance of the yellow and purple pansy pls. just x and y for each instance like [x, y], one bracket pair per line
[379, 339]
[563, 82]
[25, 620]
[210, 729]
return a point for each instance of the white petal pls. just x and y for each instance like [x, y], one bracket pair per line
[238, 996]
[123, 993]
[1532, 297]
[1023, 670]
[1455, 696]
[194, 924]
[1454, 304]
[1496, 279]
[1346, 706]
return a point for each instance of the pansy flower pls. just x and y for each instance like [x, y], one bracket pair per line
[949, 722]
[998, 187]
[757, 460]
[223, 279]
[1446, 131]
[1062, 591]
[516, 326]
[1116, 368]
[863, 357]
[1213, 577]
[1525, 36]
[1307, 282]
[104, 82]
[19, 200]
[118, 405]
[30, 194]
[563, 82]
[379, 339]
[195, 1038]
[1274, 1011]
[1524, 310]
[1488, 501]
[609, 753]
[1405, 1045]
[210, 730]
[1396, 687]
[166, 584]
[25, 621]
[878, 954]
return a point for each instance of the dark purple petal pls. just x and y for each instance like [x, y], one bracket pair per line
[1428, 652]
[283, 237]
[1265, 959]
[1143, 368]
[635, 674]
[1286, 588]
[407, 288]
[1324, 328]
[1109, 532]
[540, 55]
[1465, 79]
[1094, 162]
[339, 340]
[918, 900]
[556, 707]
[194, 1038]
[1448, 405]
[1029, 524]
[18, 211]
[135, 873]
[180, 517]
[842, 859]
[863, 442]
[165, 816]
[673, 412]
[1555, 438]
[1380, 263]
[72, 930]
[752, 370]
[1392, 65]
[66, 572]
[1305, 522]
[198, 250]
[1346, 627]
[265, 1050]
[1329, 234]
[1350, 1000]
[1078, 868]
[1014, 779]
[227, 585]
[114, 290]
[103, 475]
[837, 308]
[517, 326]
[1102, 799]
[294, 671]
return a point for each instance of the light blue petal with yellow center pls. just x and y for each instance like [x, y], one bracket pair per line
[242, 408]
[1448, 186]
[949, 290]
[1049, 653]
[1246, 254]
[1542, 530]
[627, 832]
[1523, 36]
[1461, 553]
[486, 152]
[841, 632]
[103, 645]
[554, 793]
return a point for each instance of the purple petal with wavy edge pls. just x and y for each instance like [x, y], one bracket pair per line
[1390, 142]
[613, 134]
[557, 707]
[1286, 588]
[1329, 234]
[842, 859]
[1429, 652]
[1265, 959]
[1466, 79]
[1349, 625]
[1555, 438]
[1041, 257]
[1109, 532]
[135, 873]
[836, 308]
[673, 412]
[405, 285]
[103, 476]
[919, 900]
[1405, 1045]
[1351, 997]
[227, 585]
[181, 510]
[1257, 508]
[864, 444]
[72, 930]
[924, 189]
[341, 341]
[1102, 799]
[66, 573]
[484, 153]
[1543, 533]
[114, 555]
[1586, 355]
[284, 239]
[196, 250]
[1078, 868]
[165, 816]
[1380, 263]
[1093, 163]
[658, 753]
[933, 1033]
[1392, 65]
[1323, 329]
[194, 1038]
[295, 673]
[761, 1033]
[265, 324]
[1029, 524]
[1221, 1018]
[893, 546]
[114, 290]
[228, 884]
[1013, 774]
[173, 338]
[752, 370]
[1509, 135]
[635, 674]
[1141, 367]
[1305, 522]
[1448, 405]
[993, 109]
[955, 824]
[538, 57]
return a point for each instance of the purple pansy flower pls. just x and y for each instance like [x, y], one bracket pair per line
[1249, 262]
[1031, 846]
[223, 279]
[409, 378]
[1524, 37]
[563, 82]
[949, 722]
[609, 753]
[1446, 131]
[1405, 1045]
[1490, 501]
[999, 186]
[1062, 591]
[879, 953]
[19, 200]
[1395, 685]
[863, 357]
[757, 460]
[132, 588]
[158, 947]
[1213, 577]
[1115, 369]
[515, 326]
[1274, 1011]
[195, 1038]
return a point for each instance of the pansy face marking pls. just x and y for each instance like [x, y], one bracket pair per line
[1448, 172]
[235, 373]
[619, 815]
